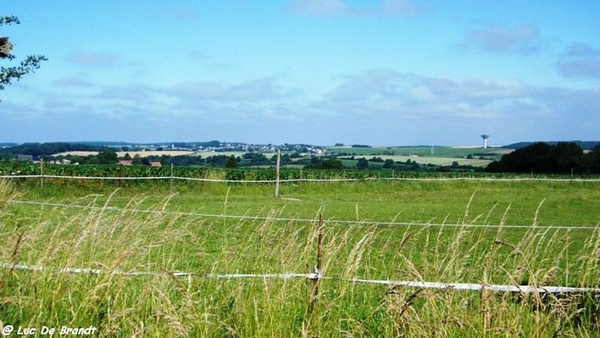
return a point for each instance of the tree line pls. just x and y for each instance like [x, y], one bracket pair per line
[562, 157]
[45, 149]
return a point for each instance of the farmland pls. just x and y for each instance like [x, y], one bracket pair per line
[433, 231]
[439, 156]
[425, 151]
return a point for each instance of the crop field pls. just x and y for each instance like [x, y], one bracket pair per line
[441, 156]
[439, 161]
[448, 152]
[93, 254]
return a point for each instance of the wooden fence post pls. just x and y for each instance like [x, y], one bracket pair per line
[203, 176]
[572, 173]
[18, 172]
[277, 173]
[42, 173]
[121, 175]
[171, 180]
[320, 244]
[317, 270]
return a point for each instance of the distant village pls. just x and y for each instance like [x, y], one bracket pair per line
[24, 153]
[215, 146]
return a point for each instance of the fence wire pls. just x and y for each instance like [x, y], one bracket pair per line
[317, 274]
[309, 276]
[298, 180]
[298, 220]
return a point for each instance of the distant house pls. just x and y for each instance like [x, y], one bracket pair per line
[125, 162]
[61, 161]
[24, 158]
[155, 164]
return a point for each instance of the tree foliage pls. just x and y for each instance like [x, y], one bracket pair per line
[231, 162]
[362, 164]
[389, 164]
[45, 149]
[26, 66]
[547, 158]
[253, 158]
[108, 156]
[594, 158]
[329, 164]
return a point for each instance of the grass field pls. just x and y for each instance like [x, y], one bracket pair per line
[440, 231]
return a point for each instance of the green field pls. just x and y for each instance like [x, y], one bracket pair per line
[439, 156]
[438, 151]
[515, 233]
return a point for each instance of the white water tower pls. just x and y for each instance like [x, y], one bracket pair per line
[485, 138]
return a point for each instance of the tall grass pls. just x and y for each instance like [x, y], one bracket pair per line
[163, 305]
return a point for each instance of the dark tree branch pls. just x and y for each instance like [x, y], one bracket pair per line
[29, 65]
[9, 20]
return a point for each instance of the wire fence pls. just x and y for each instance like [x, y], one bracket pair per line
[314, 276]
[298, 180]
[171, 179]
[298, 220]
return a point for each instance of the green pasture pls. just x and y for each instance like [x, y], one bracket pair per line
[567, 203]
[447, 231]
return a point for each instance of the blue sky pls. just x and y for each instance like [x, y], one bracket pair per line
[380, 72]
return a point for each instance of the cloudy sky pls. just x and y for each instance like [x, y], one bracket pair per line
[380, 72]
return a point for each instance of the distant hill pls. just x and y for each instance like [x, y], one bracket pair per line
[585, 145]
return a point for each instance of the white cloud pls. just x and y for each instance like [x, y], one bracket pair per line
[378, 106]
[402, 94]
[71, 82]
[196, 54]
[523, 39]
[584, 67]
[135, 93]
[92, 59]
[580, 60]
[412, 105]
[579, 49]
[341, 8]
[178, 13]
[319, 7]
[262, 89]
[400, 7]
